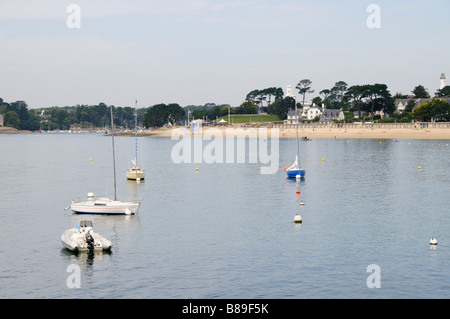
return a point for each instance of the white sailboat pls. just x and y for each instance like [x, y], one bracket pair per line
[135, 172]
[105, 205]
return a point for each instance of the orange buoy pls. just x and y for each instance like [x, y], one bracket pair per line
[298, 191]
[285, 169]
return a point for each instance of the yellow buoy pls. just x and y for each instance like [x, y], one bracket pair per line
[196, 168]
[90, 160]
[322, 159]
[420, 167]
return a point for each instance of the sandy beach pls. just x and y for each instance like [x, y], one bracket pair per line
[311, 132]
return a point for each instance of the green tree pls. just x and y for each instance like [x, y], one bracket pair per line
[337, 94]
[441, 110]
[303, 87]
[59, 117]
[33, 121]
[21, 108]
[356, 93]
[325, 93]
[160, 114]
[265, 95]
[436, 110]
[444, 92]
[420, 92]
[252, 95]
[11, 119]
[317, 100]
[409, 105]
[224, 110]
[399, 95]
[247, 107]
[379, 98]
[423, 112]
[281, 107]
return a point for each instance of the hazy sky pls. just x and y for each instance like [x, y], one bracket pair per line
[201, 51]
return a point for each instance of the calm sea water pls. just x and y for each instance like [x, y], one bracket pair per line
[227, 231]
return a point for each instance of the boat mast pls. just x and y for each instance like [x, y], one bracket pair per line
[298, 146]
[114, 159]
[135, 124]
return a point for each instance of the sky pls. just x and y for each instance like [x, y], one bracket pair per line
[194, 52]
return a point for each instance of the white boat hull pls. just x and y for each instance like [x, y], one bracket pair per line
[75, 240]
[104, 206]
[135, 174]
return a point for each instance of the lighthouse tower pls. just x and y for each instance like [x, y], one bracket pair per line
[289, 91]
[442, 81]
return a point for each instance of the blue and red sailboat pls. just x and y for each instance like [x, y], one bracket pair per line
[295, 170]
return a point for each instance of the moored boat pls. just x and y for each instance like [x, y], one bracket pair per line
[135, 173]
[103, 206]
[84, 238]
[294, 171]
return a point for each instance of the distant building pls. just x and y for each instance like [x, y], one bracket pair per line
[291, 117]
[442, 81]
[289, 91]
[1, 120]
[400, 104]
[313, 111]
[331, 114]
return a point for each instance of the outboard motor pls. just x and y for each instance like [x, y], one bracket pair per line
[89, 241]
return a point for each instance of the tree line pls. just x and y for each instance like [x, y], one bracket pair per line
[18, 116]
[366, 100]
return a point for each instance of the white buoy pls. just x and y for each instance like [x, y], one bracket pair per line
[127, 212]
[138, 179]
[301, 203]
[297, 176]
[433, 241]
[298, 219]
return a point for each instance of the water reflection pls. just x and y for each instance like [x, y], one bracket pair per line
[85, 259]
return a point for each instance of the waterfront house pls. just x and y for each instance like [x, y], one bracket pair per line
[291, 118]
[1, 120]
[313, 111]
[331, 114]
[400, 104]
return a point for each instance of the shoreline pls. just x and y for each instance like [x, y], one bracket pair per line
[310, 133]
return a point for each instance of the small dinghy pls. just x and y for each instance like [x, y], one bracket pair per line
[83, 238]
